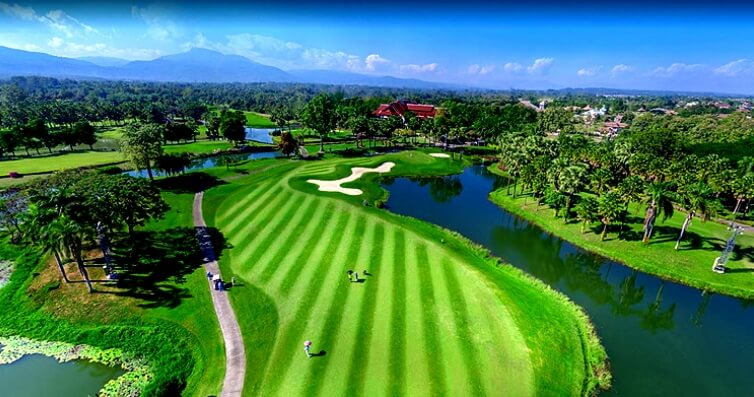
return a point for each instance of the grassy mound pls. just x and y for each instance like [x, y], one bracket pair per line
[434, 315]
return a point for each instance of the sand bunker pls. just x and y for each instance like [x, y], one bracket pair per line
[356, 173]
[441, 155]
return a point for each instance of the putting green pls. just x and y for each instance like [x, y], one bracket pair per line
[425, 321]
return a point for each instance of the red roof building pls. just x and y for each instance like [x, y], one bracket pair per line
[399, 108]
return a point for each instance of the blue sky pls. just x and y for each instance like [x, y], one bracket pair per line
[676, 46]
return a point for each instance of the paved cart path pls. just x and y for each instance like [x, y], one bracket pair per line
[235, 354]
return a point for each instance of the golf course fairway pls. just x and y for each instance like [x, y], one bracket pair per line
[434, 316]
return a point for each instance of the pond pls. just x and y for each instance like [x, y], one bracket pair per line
[210, 161]
[663, 339]
[36, 375]
[259, 134]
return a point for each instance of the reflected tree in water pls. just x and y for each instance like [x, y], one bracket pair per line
[698, 315]
[629, 295]
[654, 318]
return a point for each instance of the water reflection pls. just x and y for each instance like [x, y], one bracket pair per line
[211, 161]
[663, 339]
[262, 135]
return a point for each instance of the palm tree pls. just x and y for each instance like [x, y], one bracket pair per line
[658, 197]
[610, 207]
[587, 211]
[72, 236]
[631, 188]
[743, 189]
[696, 199]
[600, 180]
[571, 180]
[45, 235]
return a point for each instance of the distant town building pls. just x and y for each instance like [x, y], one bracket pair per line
[540, 108]
[593, 113]
[613, 128]
[399, 108]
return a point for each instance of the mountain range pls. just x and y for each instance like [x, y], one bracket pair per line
[195, 66]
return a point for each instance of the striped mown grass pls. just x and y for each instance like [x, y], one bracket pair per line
[433, 317]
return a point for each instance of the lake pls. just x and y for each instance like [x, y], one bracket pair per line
[36, 375]
[663, 339]
[259, 134]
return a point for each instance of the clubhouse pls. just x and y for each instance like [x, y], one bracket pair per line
[399, 108]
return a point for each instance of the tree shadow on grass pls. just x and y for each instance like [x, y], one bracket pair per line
[152, 265]
[192, 182]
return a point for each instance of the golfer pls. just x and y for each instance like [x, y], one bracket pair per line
[307, 348]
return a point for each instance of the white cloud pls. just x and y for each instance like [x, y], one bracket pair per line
[25, 13]
[513, 67]
[540, 66]
[373, 61]
[74, 50]
[481, 70]
[588, 72]
[619, 69]
[55, 19]
[675, 69]
[55, 42]
[287, 54]
[735, 68]
[158, 27]
[416, 69]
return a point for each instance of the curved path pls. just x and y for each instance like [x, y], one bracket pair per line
[235, 353]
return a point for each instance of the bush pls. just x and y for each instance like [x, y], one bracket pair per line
[480, 150]
[111, 170]
[352, 152]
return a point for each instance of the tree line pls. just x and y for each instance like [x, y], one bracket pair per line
[596, 181]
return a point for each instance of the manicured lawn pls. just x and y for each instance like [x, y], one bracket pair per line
[254, 119]
[435, 315]
[58, 162]
[199, 147]
[690, 265]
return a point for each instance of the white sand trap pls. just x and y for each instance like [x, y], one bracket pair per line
[441, 155]
[356, 173]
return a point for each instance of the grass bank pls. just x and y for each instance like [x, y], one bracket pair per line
[690, 265]
[160, 310]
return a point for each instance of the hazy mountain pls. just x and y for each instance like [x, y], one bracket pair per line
[24, 63]
[196, 65]
[105, 61]
[199, 65]
[348, 78]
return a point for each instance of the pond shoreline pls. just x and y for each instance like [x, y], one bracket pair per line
[136, 376]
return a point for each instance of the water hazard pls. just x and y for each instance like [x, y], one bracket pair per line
[41, 376]
[663, 339]
[262, 135]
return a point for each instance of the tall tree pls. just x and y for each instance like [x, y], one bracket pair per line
[587, 211]
[696, 199]
[610, 207]
[232, 127]
[288, 144]
[84, 133]
[320, 114]
[658, 197]
[142, 144]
